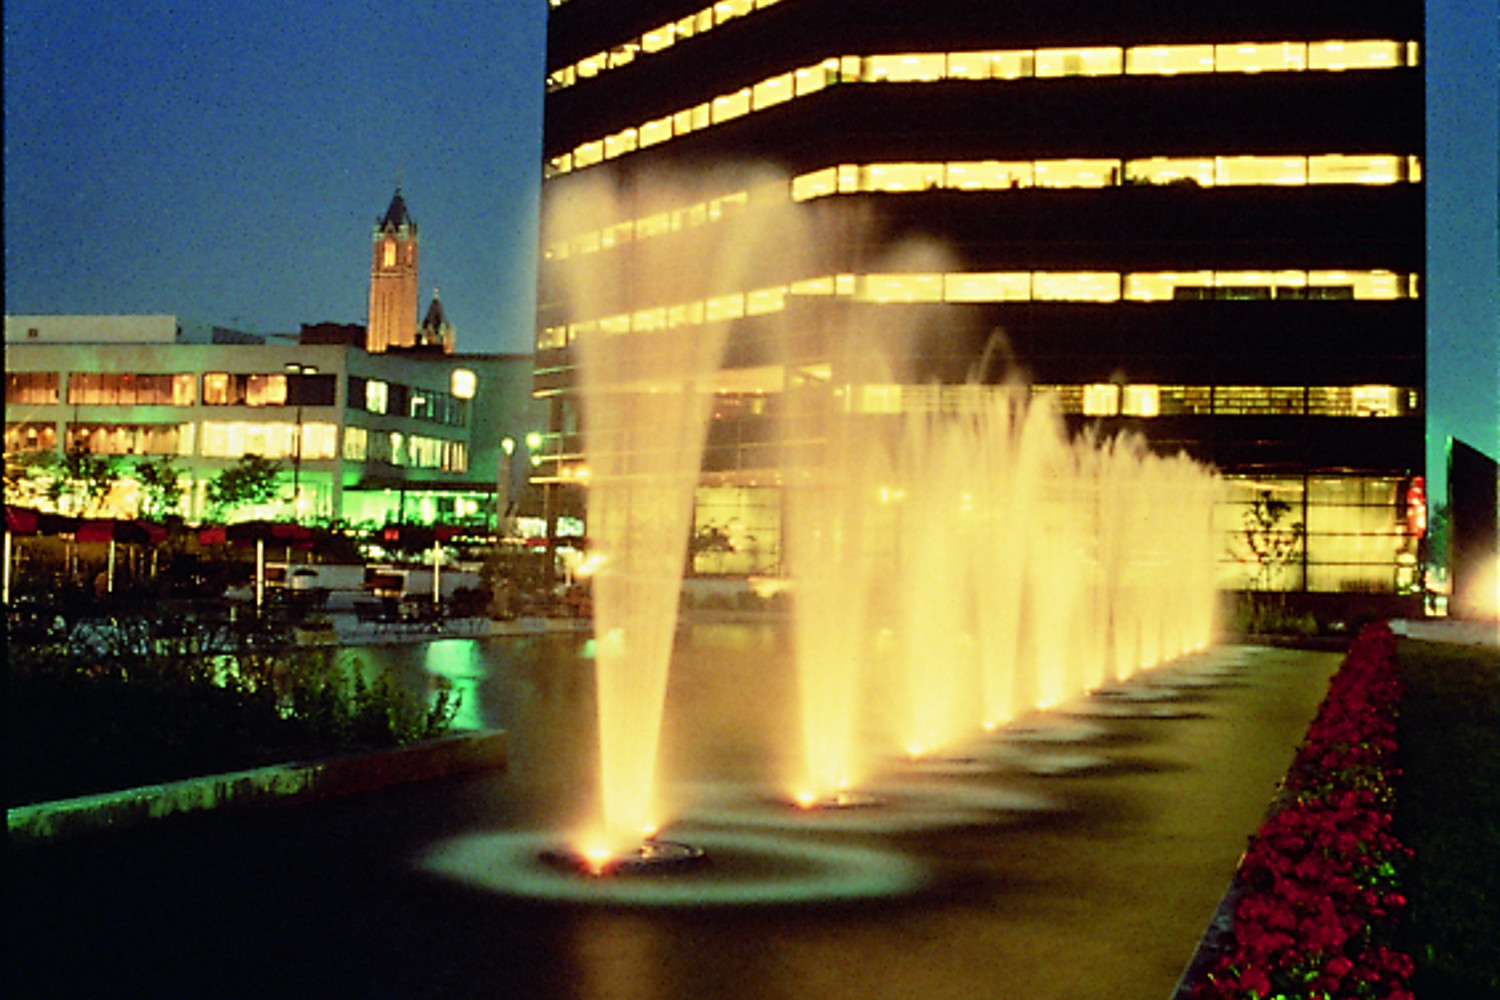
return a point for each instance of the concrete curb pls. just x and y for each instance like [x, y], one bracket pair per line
[69, 819]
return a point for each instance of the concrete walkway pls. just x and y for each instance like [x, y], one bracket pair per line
[1103, 897]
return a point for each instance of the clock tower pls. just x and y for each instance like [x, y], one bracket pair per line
[392, 320]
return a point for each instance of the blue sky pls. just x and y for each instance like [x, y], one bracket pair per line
[225, 161]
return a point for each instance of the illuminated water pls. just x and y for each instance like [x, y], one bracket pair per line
[952, 565]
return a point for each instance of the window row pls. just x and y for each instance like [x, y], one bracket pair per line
[997, 175]
[413, 451]
[1136, 400]
[30, 388]
[655, 40]
[932, 67]
[27, 436]
[377, 396]
[1341, 533]
[110, 389]
[235, 439]
[1195, 171]
[1142, 60]
[1005, 286]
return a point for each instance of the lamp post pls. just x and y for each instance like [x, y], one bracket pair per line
[507, 476]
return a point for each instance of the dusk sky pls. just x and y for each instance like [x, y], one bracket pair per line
[225, 161]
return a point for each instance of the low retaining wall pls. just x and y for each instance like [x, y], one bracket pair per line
[66, 819]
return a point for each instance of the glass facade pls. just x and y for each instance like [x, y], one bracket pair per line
[1249, 291]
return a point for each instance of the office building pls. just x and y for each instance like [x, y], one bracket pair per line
[1200, 220]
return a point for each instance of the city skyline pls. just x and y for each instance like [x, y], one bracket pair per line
[229, 164]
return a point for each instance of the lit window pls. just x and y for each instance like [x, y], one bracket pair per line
[646, 320]
[1261, 170]
[1263, 57]
[591, 65]
[1170, 170]
[813, 286]
[215, 389]
[1336, 169]
[900, 177]
[1077, 173]
[588, 153]
[771, 92]
[1169, 60]
[911, 68]
[725, 307]
[1141, 401]
[377, 396]
[1078, 286]
[182, 390]
[388, 254]
[1258, 400]
[655, 131]
[765, 300]
[1337, 56]
[977, 287]
[1243, 285]
[731, 106]
[356, 444]
[815, 185]
[624, 232]
[657, 39]
[654, 225]
[901, 288]
[1101, 400]
[727, 10]
[588, 243]
[990, 65]
[615, 325]
[560, 165]
[989, 175]
[810, 79]
[620, 143]
[1164, 286]
[1376, 400]
[1079, 62]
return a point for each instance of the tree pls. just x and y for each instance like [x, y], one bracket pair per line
[161, 487]
[250, 481]
[80, 477]
[1274, 546]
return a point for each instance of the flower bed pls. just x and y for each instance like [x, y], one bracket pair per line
[1317, 895]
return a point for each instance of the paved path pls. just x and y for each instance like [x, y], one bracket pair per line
[1104, 898]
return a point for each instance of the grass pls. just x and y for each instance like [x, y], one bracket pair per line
[1448, 812]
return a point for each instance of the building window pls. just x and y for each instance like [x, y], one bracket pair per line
[377, 396]
[1141, 401]
[31, 388]
[356, 444]
[132, 439]
[1101, 400]
[30, 437]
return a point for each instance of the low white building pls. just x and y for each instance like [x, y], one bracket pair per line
[367, 438]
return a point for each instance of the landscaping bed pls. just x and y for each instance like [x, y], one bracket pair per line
[99, 706]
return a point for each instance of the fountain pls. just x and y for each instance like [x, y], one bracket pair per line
[1009, 567]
